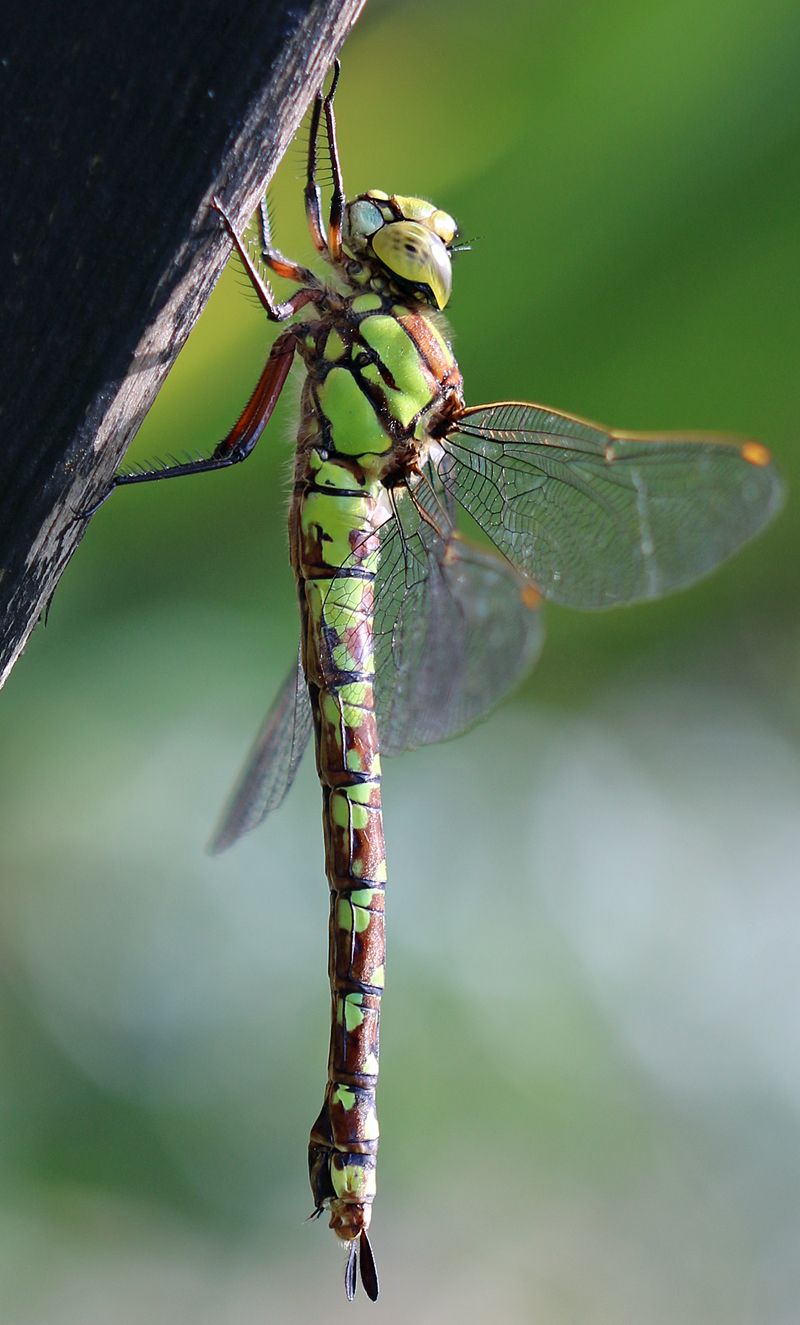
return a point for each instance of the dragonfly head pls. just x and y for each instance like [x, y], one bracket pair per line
[407, 238]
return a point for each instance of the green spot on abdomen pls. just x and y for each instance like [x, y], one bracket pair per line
[362, 896]
[361, 919]
[360, 792]
[349, 1012]
[345, 812]
[352, 716]
[370, 1130]
[329, 709]
[340, 810]
[329, 474]
[354, 1181]
[353, 1016]
[335, 518]
[360, 817]
[357, 693]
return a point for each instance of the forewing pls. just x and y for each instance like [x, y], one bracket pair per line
[455, 629]
[597, 517]
[271, 765]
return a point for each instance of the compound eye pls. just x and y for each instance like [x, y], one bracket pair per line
[364, 217]
[415, 254]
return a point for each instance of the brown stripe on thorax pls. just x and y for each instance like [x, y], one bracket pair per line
[440, 361]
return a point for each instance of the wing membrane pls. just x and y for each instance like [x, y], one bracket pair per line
[455, 629]
[596, 517]
[271, 765]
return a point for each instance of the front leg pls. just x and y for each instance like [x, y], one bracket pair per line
[330, 244]
[337, 199]
[283, 267]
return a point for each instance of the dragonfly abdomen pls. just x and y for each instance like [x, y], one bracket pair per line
[344, 1139]
[337, 607]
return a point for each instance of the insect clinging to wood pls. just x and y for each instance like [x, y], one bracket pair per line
[408, 633]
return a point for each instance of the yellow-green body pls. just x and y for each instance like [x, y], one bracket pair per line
[379, 375]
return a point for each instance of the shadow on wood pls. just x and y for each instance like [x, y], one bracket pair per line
[121, 122]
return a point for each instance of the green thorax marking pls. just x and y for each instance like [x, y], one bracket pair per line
[376, 368]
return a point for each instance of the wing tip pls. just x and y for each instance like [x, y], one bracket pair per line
[756, 454]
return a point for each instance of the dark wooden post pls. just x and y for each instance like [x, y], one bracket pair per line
[120, 121]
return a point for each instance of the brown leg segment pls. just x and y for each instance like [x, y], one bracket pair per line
[281, 265]
[244, 434]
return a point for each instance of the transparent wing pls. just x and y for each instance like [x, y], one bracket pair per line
[271, 765]
[597, 517]
[455, 628]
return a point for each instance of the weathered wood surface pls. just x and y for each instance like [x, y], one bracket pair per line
[120, 122]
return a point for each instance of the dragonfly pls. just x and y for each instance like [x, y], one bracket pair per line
[409, 632]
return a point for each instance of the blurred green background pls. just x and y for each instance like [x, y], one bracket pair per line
[590, 1089]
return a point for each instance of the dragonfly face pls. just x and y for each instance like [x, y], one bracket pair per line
[405, 239]
[409, 634]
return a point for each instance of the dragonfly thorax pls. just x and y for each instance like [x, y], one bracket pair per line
[407, 238]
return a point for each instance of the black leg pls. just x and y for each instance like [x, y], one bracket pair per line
[337, 201]
[313, 195]
[333, 244]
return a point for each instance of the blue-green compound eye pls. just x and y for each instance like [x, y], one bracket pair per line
[364, 218]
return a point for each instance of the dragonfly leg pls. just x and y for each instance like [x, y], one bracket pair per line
[337, 201]
[275, 260]
[275, 312]
[312, 192]
[332, 245]
[244, 434]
